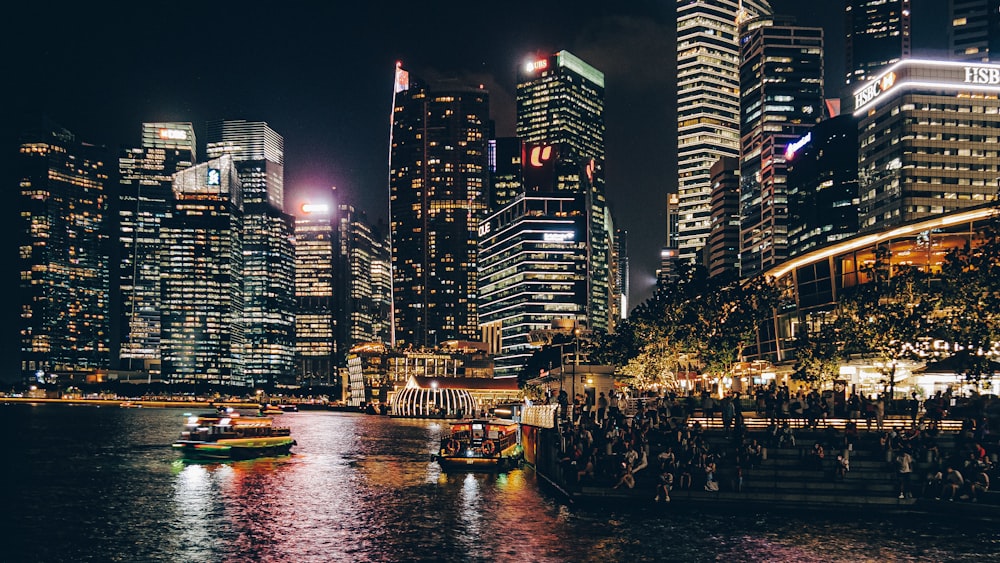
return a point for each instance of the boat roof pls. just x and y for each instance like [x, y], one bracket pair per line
[490, 421]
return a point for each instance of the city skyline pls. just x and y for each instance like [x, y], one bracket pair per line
[324, 89]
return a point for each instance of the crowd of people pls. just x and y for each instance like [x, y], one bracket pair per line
[658, 447]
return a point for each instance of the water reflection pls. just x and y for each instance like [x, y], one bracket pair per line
[104, 485]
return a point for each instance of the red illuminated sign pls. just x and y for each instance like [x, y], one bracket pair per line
[539, 155]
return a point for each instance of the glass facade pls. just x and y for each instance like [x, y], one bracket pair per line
[708, 107]
[560, 103]
[533, 270]
[781, 87]
[202, 322]
[145, 198]
[927, 140]
[878, 34]
[64, 301]
[437, 196]
[973, 30]
[268, 239]
[315, 249]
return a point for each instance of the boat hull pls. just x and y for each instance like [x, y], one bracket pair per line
[235, 448]
[463, 462]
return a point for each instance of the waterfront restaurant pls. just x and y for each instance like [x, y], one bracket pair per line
[452, 397]
[813, 282]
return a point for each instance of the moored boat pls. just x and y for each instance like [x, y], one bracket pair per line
[226, 435]
[481, 445]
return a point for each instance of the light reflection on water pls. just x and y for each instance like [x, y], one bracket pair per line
[88, 484]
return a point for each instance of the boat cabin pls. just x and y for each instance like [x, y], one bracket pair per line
[489, 436]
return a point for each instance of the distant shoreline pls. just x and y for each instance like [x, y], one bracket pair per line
[130, 403]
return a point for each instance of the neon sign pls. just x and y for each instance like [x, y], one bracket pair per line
[214, 177]
[792, 148]
[982, 75]
[315, 208]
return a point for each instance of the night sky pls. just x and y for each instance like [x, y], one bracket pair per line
[320, 74]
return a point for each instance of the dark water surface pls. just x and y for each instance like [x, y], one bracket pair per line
[83, 483]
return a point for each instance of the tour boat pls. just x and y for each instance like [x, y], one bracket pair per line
[267, 410]
[227, 435]
[481, 445]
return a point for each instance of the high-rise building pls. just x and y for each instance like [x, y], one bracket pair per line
[64, 304]
[533, 269]
[505, 171]
[621, 269]
[437, 195]
[268, 238]
[201, 269]
[781, 87]
[361, 246]
[315, 295]
[974, 30]
[877, 35]
[724, 239]
[145, 198]
[708, 106]
[823, 185]
[927, 140]
[669, 258]
[560, 105]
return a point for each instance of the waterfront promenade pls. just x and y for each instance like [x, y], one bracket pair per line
[753, 466]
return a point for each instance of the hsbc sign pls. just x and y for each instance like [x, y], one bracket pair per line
[982, 75]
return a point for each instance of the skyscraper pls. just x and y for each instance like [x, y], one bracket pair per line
[823, 185]
[560, 104]
[64, 320]
[360, 249]
[974, 30]
[708, 106]
[878, 34]
[781, 86]
[315, 296]
[437, 195]
[724, 240]
[145, 198]
[201, 269]
[269, 256]
[505, 171]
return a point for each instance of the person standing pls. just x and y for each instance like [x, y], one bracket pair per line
[602, 408]
[904, 468]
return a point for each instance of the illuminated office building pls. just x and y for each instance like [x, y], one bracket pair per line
[781, 88]
[145, 197]
[505, 171]
[822, 185]
[927, 140]
[315, 296]
[269, 256]
[533, 270]
[201, 268]
[724, 239]
[621, 269]
[437, 196]
[877, 35]
[64, 280]
[974, 30]
[708, 106]
[560, 104]
[361, 311]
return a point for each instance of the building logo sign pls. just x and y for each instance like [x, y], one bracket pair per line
[873, 89]
[315, 208]
[214, 177]
[792, 148]
[540, 64]
[540, 155]
[484, 229]
[559, 236]
[173, 134]
[982, 75]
